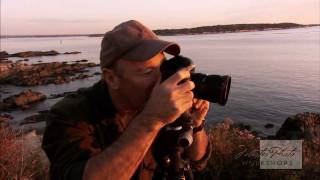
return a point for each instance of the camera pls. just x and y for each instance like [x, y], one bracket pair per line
[213, 88]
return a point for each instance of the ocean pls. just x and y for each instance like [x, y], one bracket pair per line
[275, 74]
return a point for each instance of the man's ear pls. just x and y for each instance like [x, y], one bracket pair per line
[110, 78]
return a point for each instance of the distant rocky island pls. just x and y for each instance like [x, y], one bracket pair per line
[190, 31]
[227, 28]
[224, 29]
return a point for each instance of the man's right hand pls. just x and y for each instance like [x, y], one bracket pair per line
[170, 99]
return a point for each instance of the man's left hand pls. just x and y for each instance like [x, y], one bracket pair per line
[199, 111]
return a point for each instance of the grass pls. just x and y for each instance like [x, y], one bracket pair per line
[19, 158]
[235, 155]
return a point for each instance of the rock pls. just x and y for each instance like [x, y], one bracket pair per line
[73, 52]
[93, 64]
[3, 55]
[35, 53]
[43, 73]
[54, 96]
[5, 69]
[7, 61]
[82, 60]
[22, 100]
[61, 80]
[6, 115]
[4, 120]
[301, 126]
[81, 76]
[20, 60]
[268, 125]
[39, 117]
[30, 119]
[3, 92]
[243, 126]
[96, 73]
[4, 106]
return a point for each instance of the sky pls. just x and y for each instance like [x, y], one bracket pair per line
[43, 17]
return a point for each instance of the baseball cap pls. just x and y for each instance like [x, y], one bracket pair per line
[131, 40]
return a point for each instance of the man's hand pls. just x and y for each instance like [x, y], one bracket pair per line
[199, 111]
[198, 148]
[170, 99]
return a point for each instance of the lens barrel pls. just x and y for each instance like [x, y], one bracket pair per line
[213, 88]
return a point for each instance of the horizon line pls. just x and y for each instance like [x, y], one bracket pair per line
[88, 34]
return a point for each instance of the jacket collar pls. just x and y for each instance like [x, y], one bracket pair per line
[100, 101]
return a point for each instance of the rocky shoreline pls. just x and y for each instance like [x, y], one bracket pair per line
[21, 100]
[4, 54]
[20, 74]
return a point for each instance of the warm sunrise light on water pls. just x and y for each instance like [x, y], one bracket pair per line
[21, 17]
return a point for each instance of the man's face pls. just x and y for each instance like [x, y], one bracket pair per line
[137, 79]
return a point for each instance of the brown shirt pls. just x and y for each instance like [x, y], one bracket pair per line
[82, 125]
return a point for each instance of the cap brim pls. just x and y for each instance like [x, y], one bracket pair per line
[149, 48]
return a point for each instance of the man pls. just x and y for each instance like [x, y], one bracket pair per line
[107, 131]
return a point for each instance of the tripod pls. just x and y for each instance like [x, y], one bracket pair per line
[172, 141]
